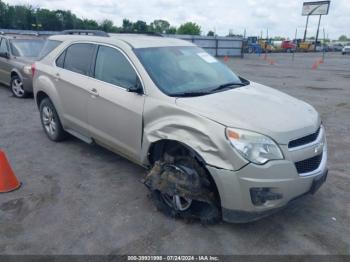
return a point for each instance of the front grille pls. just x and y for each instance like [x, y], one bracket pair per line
[304, 140]
[308, 165]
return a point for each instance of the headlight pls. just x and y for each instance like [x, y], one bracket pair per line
[252, 146]
[27, 69]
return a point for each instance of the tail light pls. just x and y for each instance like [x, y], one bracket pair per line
[33, 70]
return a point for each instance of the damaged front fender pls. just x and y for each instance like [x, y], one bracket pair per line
[204, 136]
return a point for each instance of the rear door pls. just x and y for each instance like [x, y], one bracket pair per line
[74, 84]
[5, 68]
[115, 115]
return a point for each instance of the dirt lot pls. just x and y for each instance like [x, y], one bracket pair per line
[82, 199]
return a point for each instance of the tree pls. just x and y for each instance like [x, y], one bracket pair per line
[47, 19]
[107, 25]
[159, 26]
[171, 31]
[279, 38]
[189, 28]
[343, 38]
[140, 27]
[127, 25]
[211, 33]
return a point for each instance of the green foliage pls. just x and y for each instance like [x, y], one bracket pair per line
[279, 38]
[189, 28]
[172, 30]
[211, 33]
[26, 17]
[343, 38]
[160, 26]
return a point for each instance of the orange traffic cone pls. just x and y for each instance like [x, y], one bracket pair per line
[272, 61]
[8, 180]
[226, 58]
[315, 65]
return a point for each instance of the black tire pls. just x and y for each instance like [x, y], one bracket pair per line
[48, 113]
[17, 89]
[208, 211]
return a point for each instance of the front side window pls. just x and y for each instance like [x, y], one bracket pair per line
[26, 47]
[3, 46]
[79, 57]
[113, 67]
[186, 70]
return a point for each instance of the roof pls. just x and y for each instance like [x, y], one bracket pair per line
[14, 36]
[134, 40]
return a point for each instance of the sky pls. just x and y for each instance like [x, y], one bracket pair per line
[280, 17]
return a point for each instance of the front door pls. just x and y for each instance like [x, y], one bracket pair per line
[114, 114]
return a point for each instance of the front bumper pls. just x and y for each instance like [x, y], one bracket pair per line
[280, 177]
[27, 84]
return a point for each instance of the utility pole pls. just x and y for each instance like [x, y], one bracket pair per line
[296, 43]
[318, 29]
[324, 44]
[307, 23]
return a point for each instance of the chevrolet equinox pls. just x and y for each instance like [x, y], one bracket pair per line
[216, 145]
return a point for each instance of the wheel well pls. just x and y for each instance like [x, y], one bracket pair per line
[157, 150]
[39, 97]
[13, 73]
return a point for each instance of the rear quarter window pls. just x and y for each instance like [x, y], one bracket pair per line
[79, 58]
[48, 47]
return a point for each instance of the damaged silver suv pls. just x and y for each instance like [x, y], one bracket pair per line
[217, 145]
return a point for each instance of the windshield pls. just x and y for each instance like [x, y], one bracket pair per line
[26, 47]
[180, 70]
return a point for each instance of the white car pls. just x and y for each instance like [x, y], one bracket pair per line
[346, 50]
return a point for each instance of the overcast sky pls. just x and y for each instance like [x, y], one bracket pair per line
[281, 17]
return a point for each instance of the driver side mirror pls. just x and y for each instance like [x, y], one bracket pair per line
[137, 88]
[5, 55]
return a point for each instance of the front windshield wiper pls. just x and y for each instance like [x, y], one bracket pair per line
[210, 91]
[227, 85]
[190, 94]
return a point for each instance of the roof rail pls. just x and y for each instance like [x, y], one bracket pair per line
[143, 33]
[85, 32]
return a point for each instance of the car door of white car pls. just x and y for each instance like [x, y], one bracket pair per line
[115, 113]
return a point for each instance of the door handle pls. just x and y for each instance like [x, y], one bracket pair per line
[94, 92]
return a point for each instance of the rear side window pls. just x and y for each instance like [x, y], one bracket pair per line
[113, 67]
[79, 58]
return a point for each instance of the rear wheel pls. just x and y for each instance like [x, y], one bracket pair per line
[50, 121]
[17, 87]
[180, 187]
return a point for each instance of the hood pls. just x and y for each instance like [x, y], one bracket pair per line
[26, 60]
[257, 108]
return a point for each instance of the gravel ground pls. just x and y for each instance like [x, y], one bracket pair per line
[82, 199]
